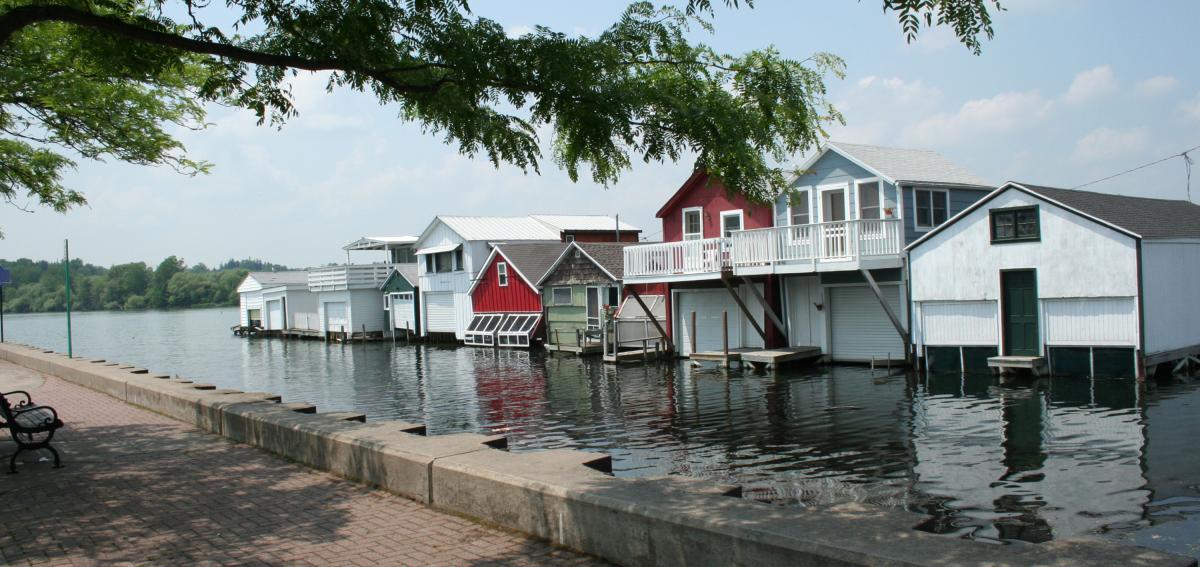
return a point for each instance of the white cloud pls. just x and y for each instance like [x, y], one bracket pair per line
[1106, 143]
[1090, 84]
[1156, 85]
[1001, 113]
[1192, 107]
[899, 91]
[518, 31]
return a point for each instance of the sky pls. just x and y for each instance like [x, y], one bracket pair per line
[1067, 92]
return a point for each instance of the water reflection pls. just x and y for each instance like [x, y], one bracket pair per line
[1033, 460]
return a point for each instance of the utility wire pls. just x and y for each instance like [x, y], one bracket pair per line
[1186, 160]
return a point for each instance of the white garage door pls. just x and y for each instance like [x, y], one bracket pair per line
[439, 312]
[960, 323]
[274, 314]
[1091, 321]
[402, 311]
[710, 306]
[861, 328]
[335, 316]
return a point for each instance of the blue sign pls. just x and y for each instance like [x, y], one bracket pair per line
[5, 277]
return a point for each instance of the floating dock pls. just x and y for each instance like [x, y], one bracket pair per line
[1010, 364]
[773, 358]
[585, 349]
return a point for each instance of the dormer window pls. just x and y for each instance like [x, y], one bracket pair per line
[693, 225]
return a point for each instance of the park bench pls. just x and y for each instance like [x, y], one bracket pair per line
[31, 426]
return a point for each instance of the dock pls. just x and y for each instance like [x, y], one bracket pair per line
[585, 349]
[773, 358]
[723, 358]
[1012, 364]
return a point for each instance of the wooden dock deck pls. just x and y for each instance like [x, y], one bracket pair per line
[775, 357]
[635, 355]
[586, 349]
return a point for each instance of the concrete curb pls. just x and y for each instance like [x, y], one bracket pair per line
[564, 496]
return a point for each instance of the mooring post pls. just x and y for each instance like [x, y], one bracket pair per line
[693, 332]
[725, 336]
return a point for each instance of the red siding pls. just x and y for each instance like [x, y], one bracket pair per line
[700, 191]
[517, 296]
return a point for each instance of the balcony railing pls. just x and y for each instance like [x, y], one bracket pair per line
[678, 259]
[824, 242]
[352, 276]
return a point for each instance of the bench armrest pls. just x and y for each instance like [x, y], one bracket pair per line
[28, 400]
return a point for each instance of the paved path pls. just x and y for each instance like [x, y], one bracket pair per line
[139, 488]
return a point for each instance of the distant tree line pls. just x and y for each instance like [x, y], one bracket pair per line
[39, 286]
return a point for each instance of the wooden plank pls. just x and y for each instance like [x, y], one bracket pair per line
[744, 309]
[767, 308]
[780, 356]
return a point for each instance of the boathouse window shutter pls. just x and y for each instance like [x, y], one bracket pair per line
[1017, 224]
[502, 274]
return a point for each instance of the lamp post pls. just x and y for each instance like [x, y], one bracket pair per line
[67, 271]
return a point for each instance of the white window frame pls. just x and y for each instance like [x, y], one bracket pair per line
[822, 189]
[735, 213]
[502, 274]
[554, 296]
[683, 233]
[858, 201]
[917, 226]
[568, 238]
[808, 190]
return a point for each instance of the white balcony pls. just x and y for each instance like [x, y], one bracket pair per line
[831, 246]
[350, 276]
[677, 261]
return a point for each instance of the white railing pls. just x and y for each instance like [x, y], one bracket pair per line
[830, 241]
[689, 257]
[352, 276]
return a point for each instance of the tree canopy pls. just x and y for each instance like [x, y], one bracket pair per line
[108, 79]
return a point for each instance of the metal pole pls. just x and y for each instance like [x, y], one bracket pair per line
[67, 268]
[1, 313]
[618, 227]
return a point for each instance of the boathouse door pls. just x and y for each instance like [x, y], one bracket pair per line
[1019, 302]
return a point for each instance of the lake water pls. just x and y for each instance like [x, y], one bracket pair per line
[1031, 461]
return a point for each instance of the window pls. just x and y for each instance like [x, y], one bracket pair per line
[932, 207]
[1019, 224]
[693, 225]
[429, 264]
[560, 296]
[501, 274]
[458, 260]
[731, 221]
[569, 238]
[614, 297]
[798, 208]
[868, 200]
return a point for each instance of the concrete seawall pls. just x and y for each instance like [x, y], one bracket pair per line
[564, 496]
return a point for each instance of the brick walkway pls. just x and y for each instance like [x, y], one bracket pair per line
[139, 488]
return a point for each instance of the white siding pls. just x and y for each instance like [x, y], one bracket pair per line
[806, 323]
[959, 323]
[366, 310]
[403, 314]
[1090, 322]
[861, 329]
[302, 310]
[1075, 258]
[273, 314]
[249, 300]
[457, 283]
[1171, 292]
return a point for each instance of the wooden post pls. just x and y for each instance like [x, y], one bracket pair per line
[644, 350]
[725, 334]
[693, 332]
[556, 339]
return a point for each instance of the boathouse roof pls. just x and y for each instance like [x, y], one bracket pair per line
[903, 165]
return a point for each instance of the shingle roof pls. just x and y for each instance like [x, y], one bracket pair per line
[272, 279]
[532, 259]
[500, 228]
[583, 222]
[610, 255]
[904, 164]
[1149, 218]
[409, 271]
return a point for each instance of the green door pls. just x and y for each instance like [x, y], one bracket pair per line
[1018, 291]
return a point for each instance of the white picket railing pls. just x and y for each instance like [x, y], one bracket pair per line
[689, 257]
[352, 276]
[830, 241]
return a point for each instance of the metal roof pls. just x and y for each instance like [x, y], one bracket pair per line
[532, 259]
[595, 223]
[900, 165]
[271, 279]
[438, 249]
[379, 242]
[500, 228]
